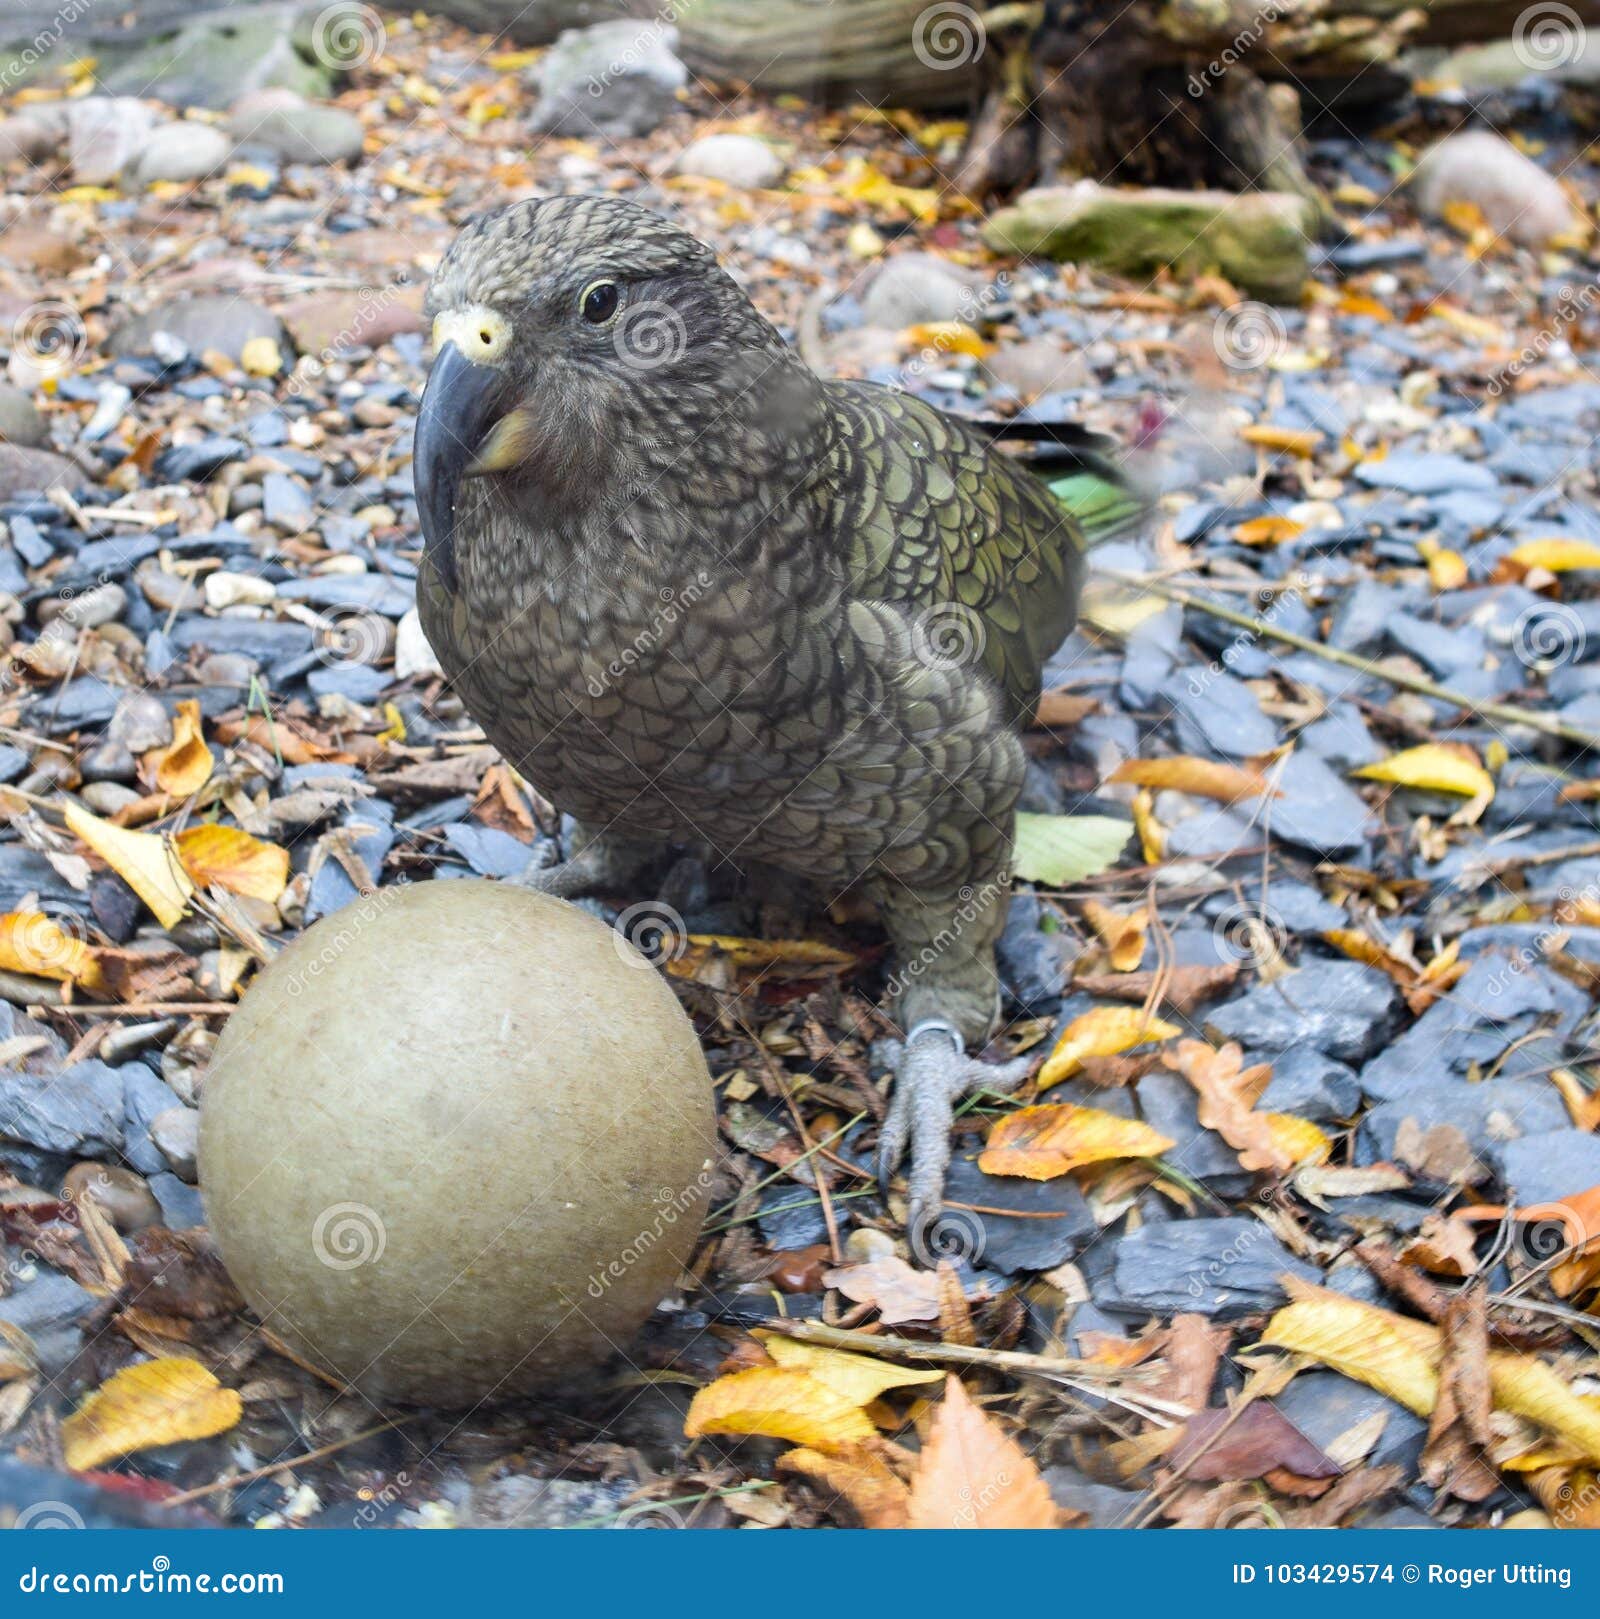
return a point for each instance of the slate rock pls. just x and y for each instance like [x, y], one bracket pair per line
[1417, 472]
[490, 852]
[1310, 1084]
[1486, 1116]
[918, 288]
[1317, 809]
[1169, 1104]
[181, 153]
[1340, 1008]
[295, 130]
[1218, 716]
[1005, 1244]
[1105, 1506]
[735, 160]
[49, 1307]
[29, 471]
[1325, 1406]
[181, 1206]
[790, 1217]
[1030, 960]
[20, 420]
[1222, 1268]
[145, 1097]
[78, 1110]
[1552, 1164]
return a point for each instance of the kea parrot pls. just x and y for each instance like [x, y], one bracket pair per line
[700, 596]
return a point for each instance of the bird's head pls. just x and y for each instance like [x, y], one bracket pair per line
[569, 332]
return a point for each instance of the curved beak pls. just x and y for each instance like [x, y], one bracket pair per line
[460, 406]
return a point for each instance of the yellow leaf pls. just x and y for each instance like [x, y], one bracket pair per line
[1556, 556]
[1040, 1143]
[31, 942]
[261, 357]
[971, 1474]
[1447, 570]
[946, 337]
[1152, 835]
[781, 1403]
[1121, 933]
[159, 1402]
[88, 194]
[858, 1378]
[184, 766]
[144, 862]
[1203, 778]
[514, 61]
[1104, 1031]
[1298, 1139]
[232, 859]
[772, 952]
[1400, 1357]
[1441, 767]
[1300, 442]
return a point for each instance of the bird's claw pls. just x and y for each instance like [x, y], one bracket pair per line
[932, 1073]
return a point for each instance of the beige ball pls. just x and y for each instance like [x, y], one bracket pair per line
[456, 1142]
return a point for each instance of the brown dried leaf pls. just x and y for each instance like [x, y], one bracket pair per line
[1179, 988]
[971, 1474]
[858, 1476]
[898, 1292]
[1276, 1142]
[1458, 1430]
[1220, 1444]
[1204, 778]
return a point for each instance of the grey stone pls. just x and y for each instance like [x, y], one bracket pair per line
[78, 1110]
[735, 160]
[180, 1204]
[181, 153]
[489, 852]
[295, 130]
[1316, 809]
[20, 421]
[1480, 167]
[1552, 1164]
[105, 134]
[213, 321]
[921, 288]
[1340, 1008]
[176, 1133]
[48, 1307]
[1310, 1084]
[1416, 472]
[615, 80]
[1487, 1116]
[1216, 715]
[1019, 1243]
[1030, 960]
[145, 1096]
[1326, 1406]
[29, 471]
[1222, 1268]
[1105, 1506]
[1169, 1104]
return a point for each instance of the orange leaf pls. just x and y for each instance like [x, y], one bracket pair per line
[1267, 530]
[232, 859]
[1302, 442]
[1040, 1143]
[158, 1402]
[1204, 778]
[971, 1474]
[1122, 934]
[1276, 1142]
[864, 1479]
[781, 1403]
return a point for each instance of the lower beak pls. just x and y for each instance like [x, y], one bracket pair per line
[460, 405]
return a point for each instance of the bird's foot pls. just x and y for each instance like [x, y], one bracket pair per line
[932, 1073]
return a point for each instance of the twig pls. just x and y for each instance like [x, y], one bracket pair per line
[283, 1466]
[1506, 713]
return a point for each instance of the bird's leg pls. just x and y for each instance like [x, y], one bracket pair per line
[598, 862]
[947, 994]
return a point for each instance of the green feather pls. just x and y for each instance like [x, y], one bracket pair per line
[1104, 506]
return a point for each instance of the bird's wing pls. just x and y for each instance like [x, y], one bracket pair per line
[929, 515]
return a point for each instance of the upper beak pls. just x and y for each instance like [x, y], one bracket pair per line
[460, 405]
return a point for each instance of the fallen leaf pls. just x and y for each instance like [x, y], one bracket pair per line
[184, 766]
[1104, 1031]
[971, 1474]
[1571, 1495]
[233, 859]
[1060, 849]
[782, 1404]
[862, 1478]
[1204, 778]
[1276, 1142]
[1440, 767]
[858, 1378]
[1122, 933]
[891, 1286]
[1556, 556]
[31, 942]
[1060, 710]
[1458, 1430]
[1302, 441]
[1222, 1444]
[158, 1402]
[946, 337]
[143, 861]
[1040, 1143]
[1179, 988]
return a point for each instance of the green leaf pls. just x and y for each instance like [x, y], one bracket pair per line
[1060, 849]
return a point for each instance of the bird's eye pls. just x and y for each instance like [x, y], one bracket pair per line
[599, 302]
